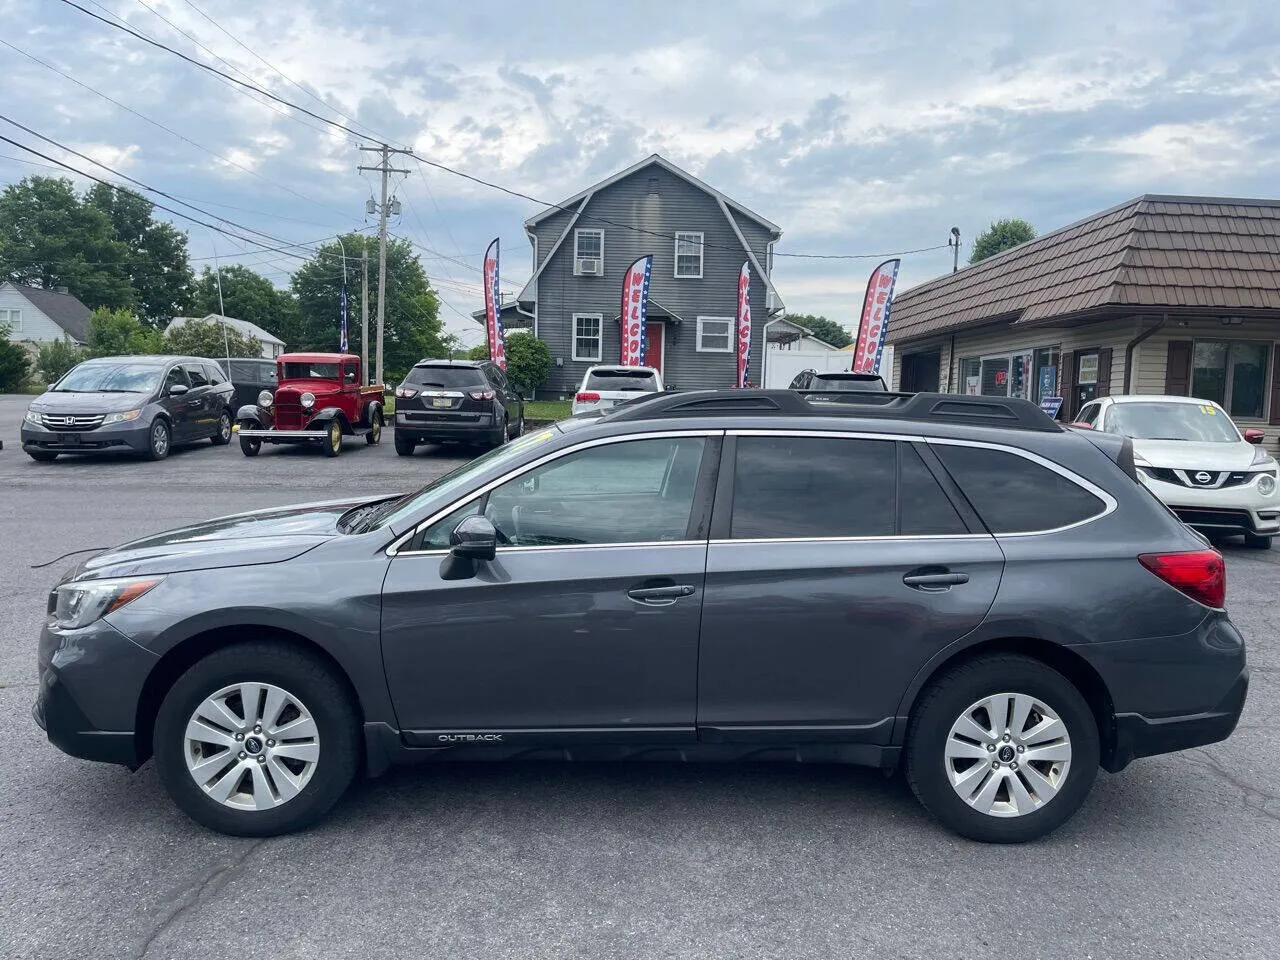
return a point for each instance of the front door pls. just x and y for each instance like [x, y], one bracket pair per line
[839, 568]
[176, 406]
[584, 626]
[653, 344]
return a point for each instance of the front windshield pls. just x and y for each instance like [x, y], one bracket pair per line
[309, 371]
[110, 378]
[1198, 422]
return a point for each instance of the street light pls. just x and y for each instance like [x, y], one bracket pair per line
[954, 241]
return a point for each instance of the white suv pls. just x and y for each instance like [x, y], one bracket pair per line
[1190, 455]
[609, 384]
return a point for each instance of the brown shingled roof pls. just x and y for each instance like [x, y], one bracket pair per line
[1154, 251]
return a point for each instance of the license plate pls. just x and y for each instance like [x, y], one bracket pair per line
[70, 438]
[441, 402]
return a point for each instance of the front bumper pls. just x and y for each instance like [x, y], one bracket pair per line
[1241, 509]
[90, 684]
[284, 436]
[132, 436]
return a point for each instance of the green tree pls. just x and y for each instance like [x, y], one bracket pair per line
[1000, 236]
[157, 252]
[56, 358]
[246, 295]
[205, 338]
[50, 238]
[412, 324]
[14, 363]
[528, 361]
[828, 331]
[114, 333]
[479, 352]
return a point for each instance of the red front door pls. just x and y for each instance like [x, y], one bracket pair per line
[653, 345]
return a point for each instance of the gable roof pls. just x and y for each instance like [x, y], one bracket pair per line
[243, 327]
[1166, 252]
[665, 164]
[66, 311]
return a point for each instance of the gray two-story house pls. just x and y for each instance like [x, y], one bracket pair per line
[699, 239]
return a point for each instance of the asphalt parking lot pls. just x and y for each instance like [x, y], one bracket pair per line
[1176, 857]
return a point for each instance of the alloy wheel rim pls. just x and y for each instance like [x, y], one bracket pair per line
[251, 746]
[1007, 755]
[159, 438]
[224, 427]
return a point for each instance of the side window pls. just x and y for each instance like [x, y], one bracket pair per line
[197, 374]
[214, 373]
[1089, 414]
[499, 377]
[269, 372]
[241, 370]
[1015, 495]
[175, 377]
[814, 487]
[924, 507]
[630, 492]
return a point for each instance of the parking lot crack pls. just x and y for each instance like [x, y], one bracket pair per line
[201, 891]
[1249, 790]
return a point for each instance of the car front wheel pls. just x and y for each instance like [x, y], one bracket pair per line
[1002, 749]
[1255, 542]
[250, 446]
[257, 739]
[158, 440]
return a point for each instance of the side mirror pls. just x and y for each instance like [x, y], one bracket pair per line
[178, 389]
[1082, 425]
[474, 539]
[1254, 435]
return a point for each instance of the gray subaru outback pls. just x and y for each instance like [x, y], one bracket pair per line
[953, 587]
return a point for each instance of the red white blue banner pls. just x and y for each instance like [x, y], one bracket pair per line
[635, 306]
[875, 318]
[744, 324]
[492, 307]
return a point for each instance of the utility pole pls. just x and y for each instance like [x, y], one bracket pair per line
[384, 167]
[364, 315]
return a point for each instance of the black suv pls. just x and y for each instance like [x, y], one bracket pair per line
[468, 400]
[837, 381]
[955, 587]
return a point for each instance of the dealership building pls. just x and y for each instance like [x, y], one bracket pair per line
[1160, 295]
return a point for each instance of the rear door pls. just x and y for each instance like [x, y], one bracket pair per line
[201, 419]
[838, 566]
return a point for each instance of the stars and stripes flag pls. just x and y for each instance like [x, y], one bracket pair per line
[635, 306]
[342, 305]
[492, 306]
[875, 318]
[744, 324]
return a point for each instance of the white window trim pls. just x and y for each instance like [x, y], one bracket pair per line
[573, 343]
[769, 298]
[14, 321]
[683, 236]
[578, 231]
[699, 348]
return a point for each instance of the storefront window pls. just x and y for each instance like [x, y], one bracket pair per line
[1048, 360]
[1232, 374]
[1030, 375]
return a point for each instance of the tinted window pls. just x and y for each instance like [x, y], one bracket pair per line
[298, 370]
[637, 381]
[629, 492]
[814, 487]
[176, 375]
[213, 373]
[445, 377]
[925, 508]
[1013, 494]
[242, 370]
[196, 374]
[838, 383]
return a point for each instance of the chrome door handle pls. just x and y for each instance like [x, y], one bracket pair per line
[935, 581]
[660, 596]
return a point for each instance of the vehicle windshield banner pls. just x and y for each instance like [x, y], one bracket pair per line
[875, 317]
[492, 304]
[744, 324]
[635, 306]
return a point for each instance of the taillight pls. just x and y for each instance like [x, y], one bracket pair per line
[482, 394]
[1201, 575]
[586, 397]
[404, 393]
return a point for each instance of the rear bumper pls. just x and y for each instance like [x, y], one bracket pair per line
[1138, 736]
[444, 426]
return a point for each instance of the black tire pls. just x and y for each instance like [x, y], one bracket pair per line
[333, 439]
[519, 427]
[42, 456]
[1256, 542]
[375, 428]
[250, 446]
[222, 434]
[159, 439]
[949, 697]
[405, 445]
[304, 675]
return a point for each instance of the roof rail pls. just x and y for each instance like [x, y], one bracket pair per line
[1009, 412]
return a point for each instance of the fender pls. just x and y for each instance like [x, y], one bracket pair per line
[253, 414]
[366, 417]
[321, 419]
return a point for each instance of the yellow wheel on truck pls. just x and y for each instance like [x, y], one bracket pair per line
[333, 442]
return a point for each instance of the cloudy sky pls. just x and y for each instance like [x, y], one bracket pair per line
[861, 128]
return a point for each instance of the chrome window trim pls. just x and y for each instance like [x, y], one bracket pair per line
[647, 544]
[394, 549]
[894, 537]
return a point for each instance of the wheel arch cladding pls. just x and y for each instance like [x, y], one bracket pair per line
[1067, 662]
[186, 654]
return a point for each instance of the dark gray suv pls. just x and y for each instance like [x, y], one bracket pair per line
[955, 587]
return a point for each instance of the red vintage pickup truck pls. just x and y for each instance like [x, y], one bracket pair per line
[318, 399]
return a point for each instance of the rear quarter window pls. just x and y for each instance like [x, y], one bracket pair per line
[1013, 494]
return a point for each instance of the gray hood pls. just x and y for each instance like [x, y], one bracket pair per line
[89, 403]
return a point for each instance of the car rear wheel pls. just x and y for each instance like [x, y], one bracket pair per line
[1255, 542]
[1002, 749]
[519, 427]
[42, 456]
[250, 446]
[158, 440]
[257, 739]
[503, 433]
[333, 439]
[405, 446]
[375, 429]
[222, 435]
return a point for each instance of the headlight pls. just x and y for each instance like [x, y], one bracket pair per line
[308, 400]
[265, 398]
[32, 417]
[80, 603]
[1261, 458]
[121, 417]
[1266, 484]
